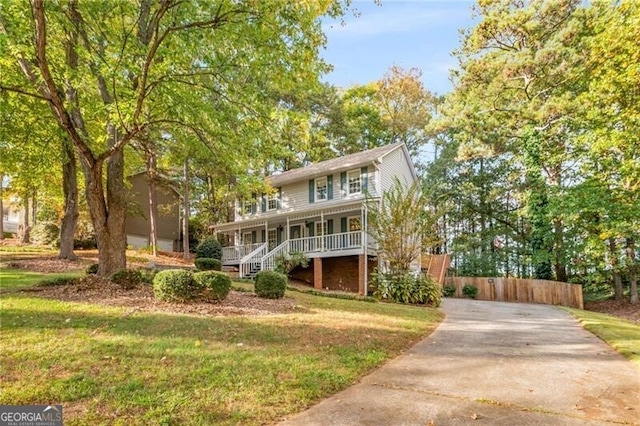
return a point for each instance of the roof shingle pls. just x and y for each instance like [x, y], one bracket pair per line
[337, 164]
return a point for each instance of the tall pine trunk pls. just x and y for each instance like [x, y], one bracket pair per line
[633, 269]
[615, 269]
[185, 214]
[152, 176]
[560, 263]
[70, 190]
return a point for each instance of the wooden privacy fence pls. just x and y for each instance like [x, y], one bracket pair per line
[521, 290]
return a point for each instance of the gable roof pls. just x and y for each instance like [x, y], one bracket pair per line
[343, 163]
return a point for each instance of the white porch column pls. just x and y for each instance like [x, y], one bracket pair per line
[322, 230]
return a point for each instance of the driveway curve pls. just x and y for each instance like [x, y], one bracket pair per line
[496, 364]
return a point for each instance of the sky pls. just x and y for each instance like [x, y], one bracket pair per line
[418, 33]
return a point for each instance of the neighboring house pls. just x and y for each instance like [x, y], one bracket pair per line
[138, 228]
[12, 214]
[318, 210]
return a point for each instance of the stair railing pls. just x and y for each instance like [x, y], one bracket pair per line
[253, 259]
[269, 259]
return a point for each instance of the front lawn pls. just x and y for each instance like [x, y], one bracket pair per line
[117, 365]
[622, 335]
[17, 279]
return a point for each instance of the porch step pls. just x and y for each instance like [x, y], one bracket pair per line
[253, 271]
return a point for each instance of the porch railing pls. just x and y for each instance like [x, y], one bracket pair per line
[341, 241]
[263, 259]
[235, 253]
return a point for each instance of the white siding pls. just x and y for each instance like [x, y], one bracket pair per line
[395, 164]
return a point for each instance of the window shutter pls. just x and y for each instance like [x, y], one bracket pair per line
[254, 205]
[363, 179]
[254, 237]
[311, 228]
[343, 182]
[330, 226]
[264, 203]
[264, 236]
[279, 200]
[343, 224]
[312, 190]
[330, 187]
[279, 235]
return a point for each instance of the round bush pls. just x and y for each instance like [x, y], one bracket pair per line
[470, 291]
[208, 264]
[45, 233]
[210, 248]
[214, 286]
[270, 284]
[92, 269]
[127, 278]
[174, 285]
[448, 290]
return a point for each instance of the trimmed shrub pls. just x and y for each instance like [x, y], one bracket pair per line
[45, 233]
[208, 264]
[287, 262]
[210, 248]
[92, 269]
[406, 288]
[470, 291]
[127, 278]
[270, 284]
[174, 285]
[58, 281]
[448, 290]
[147, 275]
[214, 286]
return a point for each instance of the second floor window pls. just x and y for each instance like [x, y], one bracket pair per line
[353, 182]
[321, 189]
[246, 207]
[272, 201]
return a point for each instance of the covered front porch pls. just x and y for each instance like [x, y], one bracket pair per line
[255, 244]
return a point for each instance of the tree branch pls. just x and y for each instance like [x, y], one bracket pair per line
[23, 92]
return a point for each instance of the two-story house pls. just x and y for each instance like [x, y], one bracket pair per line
[319, 210]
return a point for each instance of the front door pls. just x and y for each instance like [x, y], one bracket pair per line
[295, 232]
[272, 238]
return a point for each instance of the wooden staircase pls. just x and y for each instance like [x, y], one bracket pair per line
[436, 265]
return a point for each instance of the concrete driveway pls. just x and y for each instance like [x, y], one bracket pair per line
[496, 364]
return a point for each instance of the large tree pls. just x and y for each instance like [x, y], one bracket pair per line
[111, 71]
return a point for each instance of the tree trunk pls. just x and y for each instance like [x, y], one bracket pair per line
[70, 189]
[185, 215]
[152, 175]
[34, 207]
[26, 229]
[560, 257]
[108, 214]
[633, 270]
[615, 268]
[1, 208]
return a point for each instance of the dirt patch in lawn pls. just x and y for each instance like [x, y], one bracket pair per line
[49, 264]
[101, 291]
[617, 308]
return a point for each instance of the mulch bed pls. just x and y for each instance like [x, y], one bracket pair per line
[101, 291]
[619, 308]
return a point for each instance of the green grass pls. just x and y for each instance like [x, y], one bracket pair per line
[622, 335]
[16, 279]
[108, 365]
